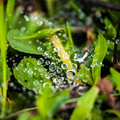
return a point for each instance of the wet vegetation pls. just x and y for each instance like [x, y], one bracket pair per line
[59, 60]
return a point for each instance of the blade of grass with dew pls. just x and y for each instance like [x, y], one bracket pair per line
[3, 53]
[85, 104]
[16, 16]
[9, 11]
[100, 52]
[64, 56]
[69, 33]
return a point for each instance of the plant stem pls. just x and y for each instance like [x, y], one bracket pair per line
[3, 54]
[115, 45]
[104, 4]
[21, 111]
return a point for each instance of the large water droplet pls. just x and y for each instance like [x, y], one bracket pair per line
[64, 66]
[70, 74]
[41, 60]
[59, 70]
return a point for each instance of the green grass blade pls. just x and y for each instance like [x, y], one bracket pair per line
[3, 54]
[69, 33]
[100, 52]
[49, 4]
[85, 104]
[116, 77]
[9, 11]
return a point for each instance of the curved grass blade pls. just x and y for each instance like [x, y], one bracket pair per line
[116, 77]
[85, 104]
[100, 52]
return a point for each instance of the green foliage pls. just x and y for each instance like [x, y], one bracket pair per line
[48, 103]
[85, 104]
[24, 116]
[100, 52]
[24, 45]
[69, 33]
[30, 44]
[96, 114]
[31, 74]
[116, 77]
[85, 73]
[9, 11]
[1, 73]
[110, 28]
[110, 111]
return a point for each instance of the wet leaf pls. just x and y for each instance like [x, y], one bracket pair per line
[31, 74]
[1, 73]
[100, 52]
[21, 41]
[110, 28]
[24, 45]
[49, 103]
[85, 73]
[85, 104]
[116, 77]
[24, 116]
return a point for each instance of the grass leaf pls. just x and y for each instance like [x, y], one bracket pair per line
[48, 105]
[100, 52]
[85, 73]
[85, 104]
[116, 77]
[31, 74]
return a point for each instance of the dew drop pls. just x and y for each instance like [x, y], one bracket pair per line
[117, 41]
[56, 49]
[23, 29]
[74, 66]
[55, 36]
[70, 74]
[47, 62]
[41, 60]
[85, 80]
[59, 70]
[64, 66]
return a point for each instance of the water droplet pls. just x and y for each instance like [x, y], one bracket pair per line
[47, 84]
[30, 42]
[59, 34]
[55, 36]
[74, 66]
[36, 82]
[85, 80]
[56, 49]
[39, 48]
[64, 66]
[37, 40]
[75, 84]
[70, 74]
[64, 35]
[41, 60]
[26, 18]
[47, 62]
[59, 70]
[81, 75]
[52, 67]
[59, 80]
[39, 23]
[117, 41]
[23, 29]
[79, 90]
[92, 65]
